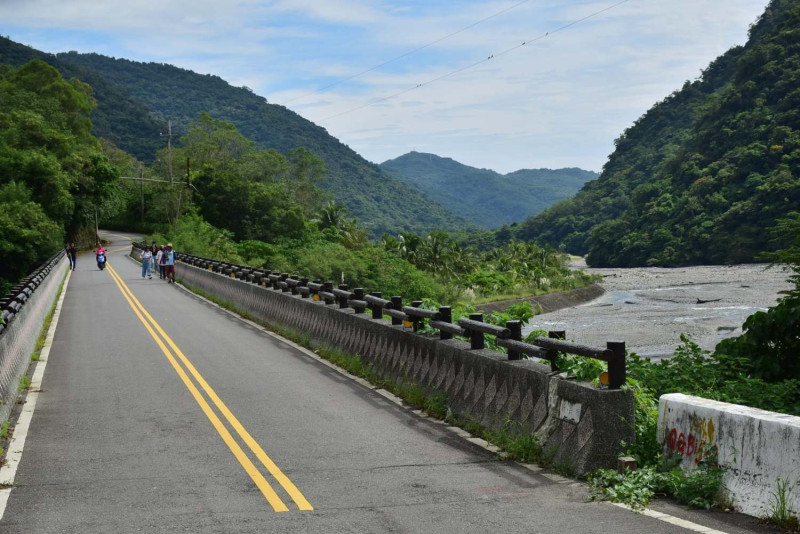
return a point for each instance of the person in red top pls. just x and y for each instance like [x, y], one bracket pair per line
[100, 254]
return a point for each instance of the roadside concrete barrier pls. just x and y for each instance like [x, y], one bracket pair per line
[23, 311]
[581, 426]
[755, 447]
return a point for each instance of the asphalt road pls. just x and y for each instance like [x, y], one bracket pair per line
[126, 437]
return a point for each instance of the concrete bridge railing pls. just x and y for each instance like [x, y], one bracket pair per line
[23, 310]
[581, 426]
[755, 448]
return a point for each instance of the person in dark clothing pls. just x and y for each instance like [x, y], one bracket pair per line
[72, 254]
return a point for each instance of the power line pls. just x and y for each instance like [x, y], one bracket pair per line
[475, 64]
[401, 56]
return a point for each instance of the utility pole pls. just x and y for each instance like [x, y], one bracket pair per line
[180, 193]
[141, 189]
[169, 150]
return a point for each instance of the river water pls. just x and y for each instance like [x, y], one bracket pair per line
[649, 308]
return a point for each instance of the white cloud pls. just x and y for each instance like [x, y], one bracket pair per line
[558, 101]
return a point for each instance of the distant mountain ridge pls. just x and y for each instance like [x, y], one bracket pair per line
[485, 197]
[136, 99]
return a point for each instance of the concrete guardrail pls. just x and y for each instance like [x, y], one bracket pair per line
[755, 447]
[581, 426]
[23, 311]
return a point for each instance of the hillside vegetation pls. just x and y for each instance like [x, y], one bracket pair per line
[135, 100]
[117, 116]
[485, 197]
[54, 176]
[703, 174]
[381, 203]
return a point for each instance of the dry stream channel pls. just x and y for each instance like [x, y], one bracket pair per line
[649, 308]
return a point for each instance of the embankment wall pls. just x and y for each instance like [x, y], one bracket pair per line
[581, 426]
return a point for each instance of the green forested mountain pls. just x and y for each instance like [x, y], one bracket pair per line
[381, 203]
[704, 173]
[485, 197]
[54, 177]
[117, 117]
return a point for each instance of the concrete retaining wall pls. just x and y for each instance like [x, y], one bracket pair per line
[580, 425]
[550, 302]
[754, 446]
[19, 335]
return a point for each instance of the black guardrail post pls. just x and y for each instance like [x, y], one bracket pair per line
[515, 327]
[416, 321]
[397, 304]
[616, 364]
[342, 300]
[327, 287]
[552, 354]
[376, 309]
[284, 286]
[303, 288]
[446, 316]
[358, 295]
[476, 339]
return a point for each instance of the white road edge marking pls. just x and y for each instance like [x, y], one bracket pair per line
[17, 443]
[677, 521]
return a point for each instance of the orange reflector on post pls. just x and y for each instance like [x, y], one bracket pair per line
[316, 297]
[408, 324]
[604, 378]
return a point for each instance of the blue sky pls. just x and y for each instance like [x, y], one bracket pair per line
[558, 101]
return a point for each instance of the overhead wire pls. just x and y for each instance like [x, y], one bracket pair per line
[474, 64]
[410, 52]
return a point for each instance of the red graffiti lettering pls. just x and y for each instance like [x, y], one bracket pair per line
[702, 452]
[690, 448]
[673, 437]
[681, 444]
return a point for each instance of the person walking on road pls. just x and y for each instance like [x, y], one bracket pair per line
[147, 260]
[72, 255]
[153, 251]
[160, 262]
[169, 264]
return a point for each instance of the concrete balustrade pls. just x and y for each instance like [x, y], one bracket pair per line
[755, 447]
[581, 426]
[23, 311]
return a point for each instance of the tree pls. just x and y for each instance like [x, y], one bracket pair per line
[54, 173]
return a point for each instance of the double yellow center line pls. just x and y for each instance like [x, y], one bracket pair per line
[160, 337]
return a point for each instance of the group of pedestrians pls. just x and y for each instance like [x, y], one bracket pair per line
[163, 258]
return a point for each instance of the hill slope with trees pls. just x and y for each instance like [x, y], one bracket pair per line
[55, 177]
[135, 101]
[118, 116]
[704, 173]
[485, 197]
[381, 203]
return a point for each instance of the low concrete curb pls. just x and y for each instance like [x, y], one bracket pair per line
[550, 302]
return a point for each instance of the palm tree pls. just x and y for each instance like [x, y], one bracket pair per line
[331, 215]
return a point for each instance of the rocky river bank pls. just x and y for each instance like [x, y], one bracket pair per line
[649, 308]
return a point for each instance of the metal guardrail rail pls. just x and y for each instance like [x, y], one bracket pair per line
[414, 316]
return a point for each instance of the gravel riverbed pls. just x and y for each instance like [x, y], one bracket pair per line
[649, 308]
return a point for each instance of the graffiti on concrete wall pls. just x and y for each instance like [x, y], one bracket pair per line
[697, 441]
